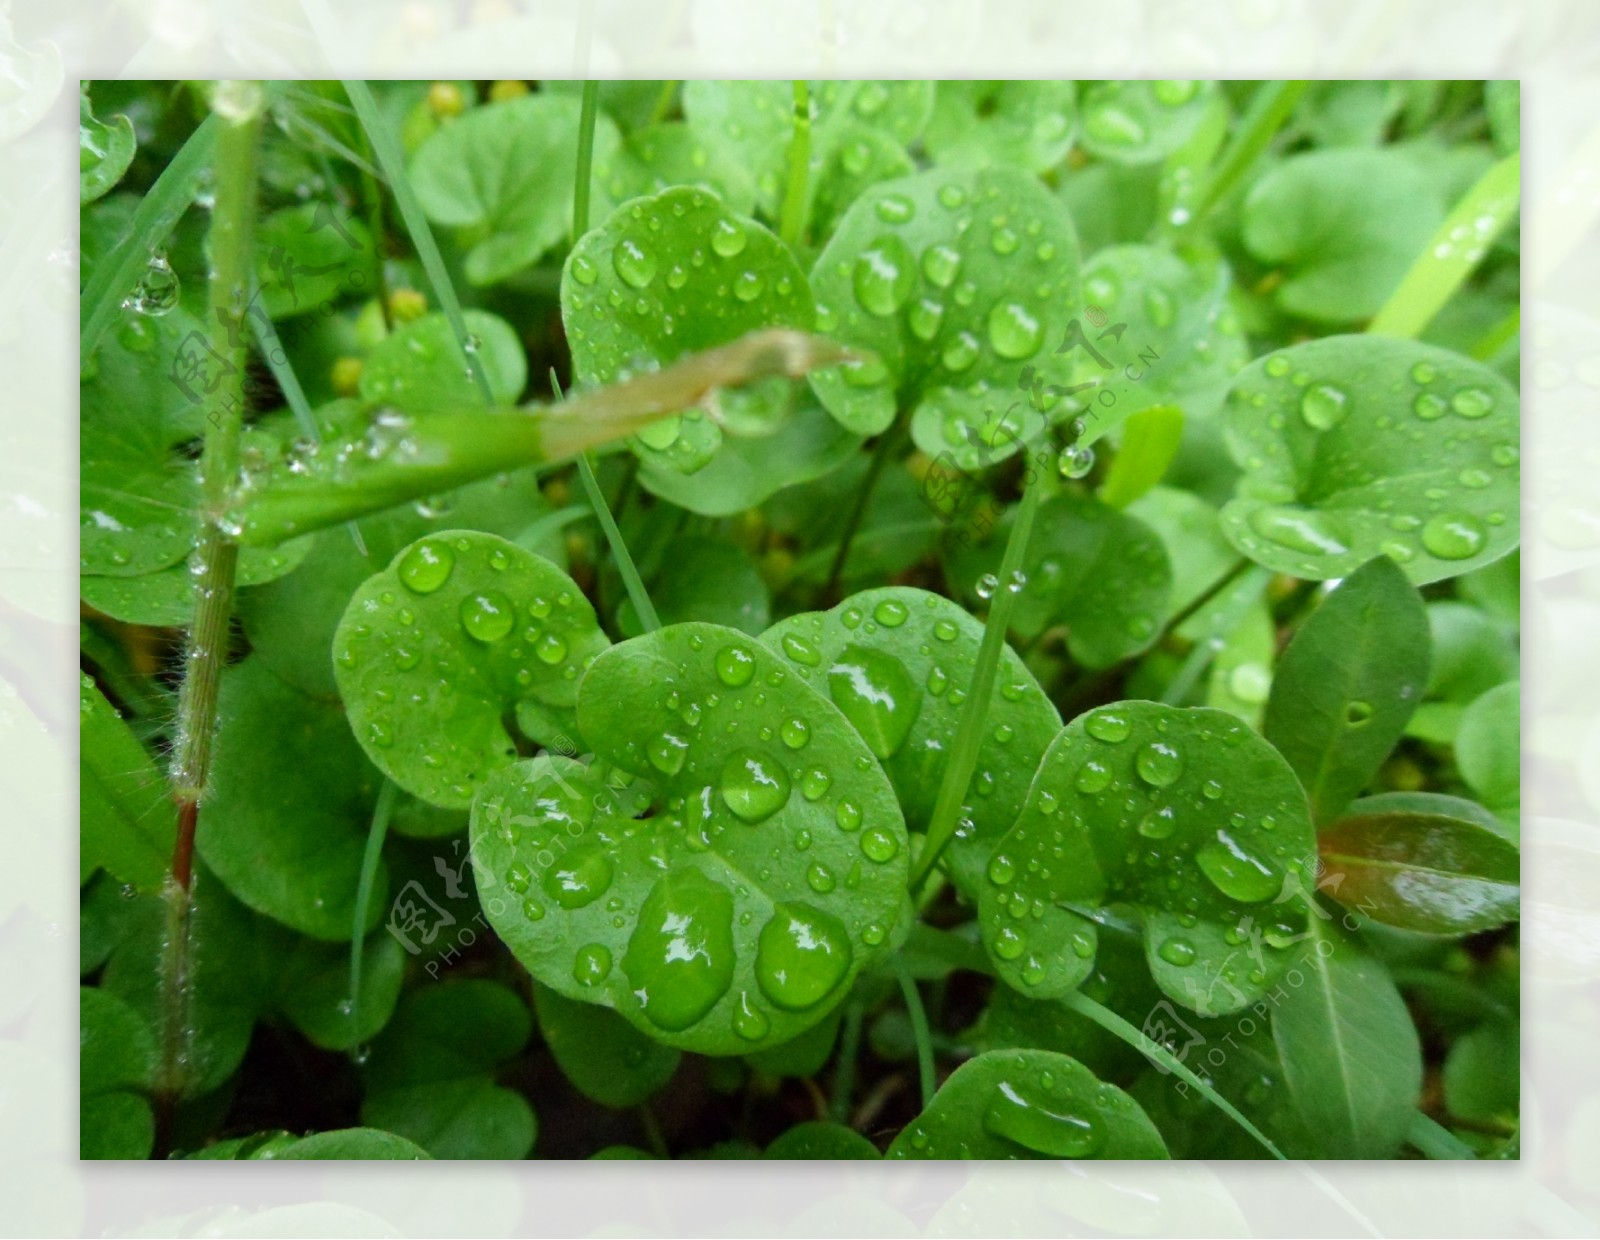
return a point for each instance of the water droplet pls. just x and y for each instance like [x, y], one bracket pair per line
[1175, 93]
[925, 317]
[1357, 713]
[635, 264]
[802, 954]
[1041, 1125]
[157, 292]
[946, 630]
[1004, 242]
[1159, 824]
[940, 264]
[891, 613]
[1472, 403]
[749, 286]
[987, 585]
[895, 209]
[1177, 951]
[754, 787]
[819, 878]
[580, 877]
[877, 695]
[795, 733]
[426, 567]
[1158, 764]
[1014, 333]
[487, 616]
[735, 666]
[1454, 536]
[380, 733]
[727, 238]
[550, 649]
[1001, 869]
[1299, 529]
[1009, 943]
[1235, 872]
[848, 815]
[583, 270]
[591, 965]
[884, 276]
[879, 845]
[1092, 777]
[1424, 372]
[814, 783]
[680, 956]
[533, 910]
[1108, 726]
[1075, 461]
[961, 352]
[749, 1021]
[1324, 406]
[667, 753]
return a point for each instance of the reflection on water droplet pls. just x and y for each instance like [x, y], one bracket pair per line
[1014, 333]
[753, 786]
[1324, 406]
[580, 877]
[749, 1021]
[879, 845]
[1300, 529]
[1235, 872]
[591, 965]
[426, 566]
[1041, 1125]
[1472, 403]
[1158, 764]
[1177, 951]
[487, 616]
[802, 954]
[635, 264]
[727, 238]
[1159, 824]
[1454, 536]
[1108, 725]
[735, 666]
[1092, 777]
[877, 695]
[680, 956]
[884, 276]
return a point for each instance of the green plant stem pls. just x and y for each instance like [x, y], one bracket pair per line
[881, 451]
[1497, 337]
[1436, 1141]
[216, 556]
[844, 1072]
[153, 220]
[1206, 649]
[392, 160]
[376, 834]
[1121, 1029]
[919, 1031]
[659, 113]
[1453, 252]
[792, 224]
[969, 738]
[1269, 108]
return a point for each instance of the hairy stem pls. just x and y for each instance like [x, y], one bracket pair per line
[216, 556]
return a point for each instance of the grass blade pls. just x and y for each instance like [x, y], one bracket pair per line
[379, 830]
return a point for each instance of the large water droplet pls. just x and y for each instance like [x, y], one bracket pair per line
[680, 956]
[1235, 872]
[800, 650]
[580, 877]
[1299, 529]
[749, 1021]
[877, 695]
[727, 238]
[940, 264]
[1454, 536]
[1158, 764]
[667, 752]
[879, 845]
[884, 276]
[487, 616]
[592, 964]
[1324, 406]
[801, 956]
[1177, 951]
[1159, 823]
[426, 567]
[158, 290]
[1472, 403]
[1109, 726]
[1038, 1124]
[754, 787]
[635, 264]
[1014, 333]
[735, 666]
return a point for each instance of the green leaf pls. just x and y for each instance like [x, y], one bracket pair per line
[166, 598]
[604, 1057]
[1430, 873]
[1356, 445]
[308, 257]
[1028, 125]
[466, 627]
[898, 663]
[431, 1075]
[746, 471]
[503, 175]
[104, 151]
[1489, 746]
[670, 275]
[420, 368]
[1028, 1104]
[1139, 122]
[283, 823]
[1149, 442]
[1352, 1061]
[861, 157]
[953, 304]
[802, 1056]
[126, 820]
[349, 1144]
[314, 991]
[1483, 1073]
[118, 1124]
[1344, 225]
[662, 156]
[736, 918]
[1182, 816]
[704, 579]
[116, 1065]
[1502, 100]
[819, 1139]
[1348, 683]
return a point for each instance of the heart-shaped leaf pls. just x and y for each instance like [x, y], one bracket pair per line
[1354, 446]
[1140, 122]
[284, 822]
[1028, 1104]
[466, 628]
[736, 915]
[669, 275]
[1184, 817]
[314, 990]
[897, 662]
[1434, 873]
[1344, 224]
[431, 1075]
[503, 173]
[1347, 684]
[420, 368]
[1028, 125]
[957, 280]
[604, 1057]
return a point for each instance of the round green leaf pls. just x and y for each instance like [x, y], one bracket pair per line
[1028, 1104]
[737, 914]
[820, 1139]
[1430, 873]
[315, 990]
[1344, 224]
[504, 173]
[1185, 817]
[670, 275]
[1355, 446]
[661, 156]
[118, 1124]
[1140, 122]
[461, 629]
[897, 662]
[420, 368]
[307, 257]
[116, 1049]
[956, 279]
[284, 823]
[1028, 125]
[604, 1057]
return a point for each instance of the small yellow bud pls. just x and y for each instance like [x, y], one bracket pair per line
[445, 99]
[347, 376]
[507, 89]
[407, 305]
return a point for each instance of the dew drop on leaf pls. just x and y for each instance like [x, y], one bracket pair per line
[801, 955]
[735, 666]
[884, 276]
[1158, 764]
[1323, 406]
[580, 877]
[1235, 872]
[876, 694]
[753, 786]
[591, 965]
[1177, 951]
[1453, 536]
[426, 567]
[487, 616]
[1041, 1126]
[680, 955]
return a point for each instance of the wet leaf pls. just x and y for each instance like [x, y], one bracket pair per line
[1143, 121]
[1354, 446]
[105, 149]
[1028, 125]
[420, 368]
